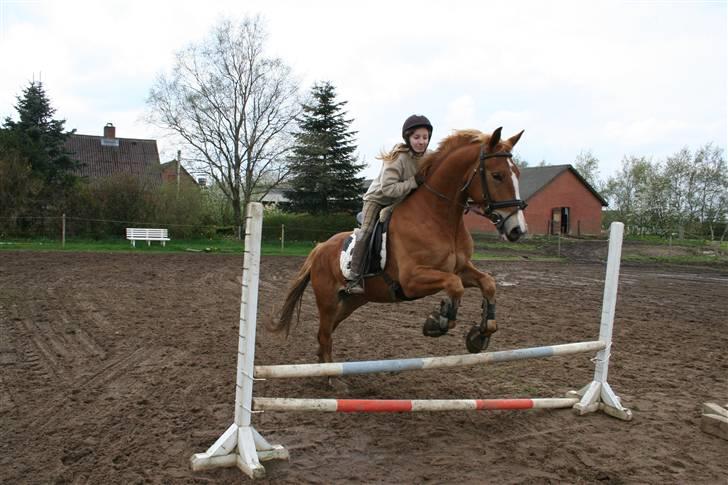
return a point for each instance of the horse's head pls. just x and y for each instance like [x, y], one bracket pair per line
[493, 184]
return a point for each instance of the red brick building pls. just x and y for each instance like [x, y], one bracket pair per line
[559, 200]
[172, 170]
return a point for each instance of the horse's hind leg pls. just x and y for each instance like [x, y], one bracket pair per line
[442, 319]
[478, 337]
[330, 315]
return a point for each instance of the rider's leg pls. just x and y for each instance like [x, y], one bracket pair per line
[358, 254]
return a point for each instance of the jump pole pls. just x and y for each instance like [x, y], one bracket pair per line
[408, 405]
[422, 363]
[242, 446]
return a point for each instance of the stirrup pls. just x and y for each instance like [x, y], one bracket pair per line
[354, 287]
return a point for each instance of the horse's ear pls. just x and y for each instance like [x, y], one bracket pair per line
[514, 139]
[495, 138]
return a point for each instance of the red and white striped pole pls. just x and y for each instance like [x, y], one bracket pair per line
[408, 405]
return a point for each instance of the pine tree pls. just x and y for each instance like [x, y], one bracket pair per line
[40, 139]
[323, 166]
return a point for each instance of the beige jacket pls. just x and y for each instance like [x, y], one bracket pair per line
[396, 179]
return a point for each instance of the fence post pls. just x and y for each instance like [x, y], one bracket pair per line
[283, 236]
[558, 251]
[63, 230]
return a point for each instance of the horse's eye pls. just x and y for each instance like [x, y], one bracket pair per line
[498, 176]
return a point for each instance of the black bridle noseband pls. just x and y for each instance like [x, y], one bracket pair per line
[489, 206]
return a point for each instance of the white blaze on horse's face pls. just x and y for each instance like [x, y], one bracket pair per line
[516, 224]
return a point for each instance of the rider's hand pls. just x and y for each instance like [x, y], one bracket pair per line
[419, 179]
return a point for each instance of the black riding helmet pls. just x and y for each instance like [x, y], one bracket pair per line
[414, 122]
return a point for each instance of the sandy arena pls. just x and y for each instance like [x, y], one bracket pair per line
[116, 368]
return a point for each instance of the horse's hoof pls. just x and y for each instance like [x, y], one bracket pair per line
[434, 325]
[476, 341]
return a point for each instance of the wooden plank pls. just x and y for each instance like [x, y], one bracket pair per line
[715, 425]
[712, 408]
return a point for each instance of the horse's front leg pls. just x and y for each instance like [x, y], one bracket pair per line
[441, 319]
[429, 281]
[478, 337]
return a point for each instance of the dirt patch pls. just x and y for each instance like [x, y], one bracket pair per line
[116, 368]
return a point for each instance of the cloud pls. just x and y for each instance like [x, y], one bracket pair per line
[643, 131]
[461, 114]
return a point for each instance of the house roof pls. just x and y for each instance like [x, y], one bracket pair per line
[104, 157]
[535, 179]
[169, 172]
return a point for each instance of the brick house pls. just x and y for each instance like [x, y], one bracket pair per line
[109, 156]
[559, 201]
[170, 173]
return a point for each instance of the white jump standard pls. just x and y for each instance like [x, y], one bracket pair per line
[242, 446]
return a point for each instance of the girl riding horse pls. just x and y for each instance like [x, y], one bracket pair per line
[429, 249]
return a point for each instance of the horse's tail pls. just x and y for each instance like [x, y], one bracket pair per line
[295, 293]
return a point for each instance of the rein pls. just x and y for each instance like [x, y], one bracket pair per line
[443, 196]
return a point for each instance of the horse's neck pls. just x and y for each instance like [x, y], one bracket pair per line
[447, 180]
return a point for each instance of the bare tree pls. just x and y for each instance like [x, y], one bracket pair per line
[234, 107]
[520, 162]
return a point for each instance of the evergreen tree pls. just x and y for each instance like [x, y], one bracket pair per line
[40, 138]
[323, 166]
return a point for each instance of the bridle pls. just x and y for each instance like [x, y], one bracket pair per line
[489, 206]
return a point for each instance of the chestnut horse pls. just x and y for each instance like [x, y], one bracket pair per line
[428, 246]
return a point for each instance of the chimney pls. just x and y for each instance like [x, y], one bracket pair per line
[109, 139]
[109, 131]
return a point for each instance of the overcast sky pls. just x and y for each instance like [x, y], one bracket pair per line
[617, 78]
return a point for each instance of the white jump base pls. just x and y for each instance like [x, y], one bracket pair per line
[242, 446]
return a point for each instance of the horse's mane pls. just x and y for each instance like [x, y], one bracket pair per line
[458, 139]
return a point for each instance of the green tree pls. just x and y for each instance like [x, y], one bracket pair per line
[588, 167]
[685, 193]
[712, 195]
[18, 187]
[629, 193]
[323, 166]
[39, 138]
[679, 171]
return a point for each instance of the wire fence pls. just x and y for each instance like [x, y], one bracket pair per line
[67, 227]
[288, 230]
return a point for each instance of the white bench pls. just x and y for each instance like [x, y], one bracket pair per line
[134, 234]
